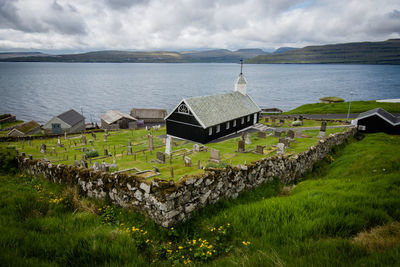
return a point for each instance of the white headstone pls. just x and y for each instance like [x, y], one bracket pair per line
[168, 145]
[248, 139]
[280, 149]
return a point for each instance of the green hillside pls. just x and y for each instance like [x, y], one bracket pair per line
[387, 52]
[345, 213]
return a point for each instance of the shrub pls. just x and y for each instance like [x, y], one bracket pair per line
[8, 163]
[92, 154]
[216, 165]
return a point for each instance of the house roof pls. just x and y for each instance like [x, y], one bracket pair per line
[27, 126]
[71, 117]
[390, 118]
[115, 115]
[216, 109]
[148, 113]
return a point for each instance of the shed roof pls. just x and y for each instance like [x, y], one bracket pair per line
[381, 113]
[27, 126]
[148, 113]
[216, 109]
[71, 117]
[114, 115]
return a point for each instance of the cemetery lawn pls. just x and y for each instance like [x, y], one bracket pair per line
[342, 108]
[345, 212]
[73, 146]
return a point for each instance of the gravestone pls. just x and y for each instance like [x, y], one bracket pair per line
[168, 145]
[196, 148]
[214, 156]
[23, 154]
[290, 134]
[84, 163]
[172, 172]
[105, 132]
[322, 130]
[129, 150]
[259, 150]
[65, 136]
[188, 162]
[273, 120]
[151, 145]
[262, 135]
[277, 134]
[266, 119]
[297, 123]
[83, 140]
[242, 136]
[106, 152]
[76, 163]
[241, 146]
[59, 141]
[280, 149]
[323, 126]
[248, 139]
[285, 141]
[105, 138]
[43, 148]
[160, 157]
[282, 121]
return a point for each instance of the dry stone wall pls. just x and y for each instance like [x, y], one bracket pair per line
[169, 202]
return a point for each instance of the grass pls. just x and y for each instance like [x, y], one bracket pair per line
[342, 108]
[351, 195]
[119, 139]
[332, 99]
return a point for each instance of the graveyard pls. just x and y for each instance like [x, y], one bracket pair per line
[141, 152]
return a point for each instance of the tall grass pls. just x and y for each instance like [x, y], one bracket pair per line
[355, 189]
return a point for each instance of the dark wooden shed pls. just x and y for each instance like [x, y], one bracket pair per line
[378, 120]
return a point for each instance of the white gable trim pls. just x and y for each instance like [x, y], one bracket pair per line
[194, 114]
[379, 115]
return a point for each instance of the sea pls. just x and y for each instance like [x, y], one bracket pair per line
[39, 91]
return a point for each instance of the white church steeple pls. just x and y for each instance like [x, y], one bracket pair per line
[241, 82]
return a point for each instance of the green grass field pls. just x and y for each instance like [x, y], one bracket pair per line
[342, 108]
[345, 212]
[119, 139]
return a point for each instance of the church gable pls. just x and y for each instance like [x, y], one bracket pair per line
[183, 113]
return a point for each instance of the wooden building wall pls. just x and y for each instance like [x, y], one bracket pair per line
[375, 124]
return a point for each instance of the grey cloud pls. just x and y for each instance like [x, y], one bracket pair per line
[123, 4]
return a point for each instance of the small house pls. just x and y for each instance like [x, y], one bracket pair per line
[205, 118]
[115, 119]
[27, 128]
[149, 115]
[378, 120]
[69, 122]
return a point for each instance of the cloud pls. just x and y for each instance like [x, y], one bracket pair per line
[191, 24]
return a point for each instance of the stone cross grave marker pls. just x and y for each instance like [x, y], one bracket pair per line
[280, 149]
[262, 135]
[241, 146]
[248, 139]
[323, 126]
[160, 157]
[260, 150]
[43, 148]
[290, 134]
[215, 155]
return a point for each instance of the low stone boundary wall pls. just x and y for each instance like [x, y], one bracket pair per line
[169, 202]
[40, 137]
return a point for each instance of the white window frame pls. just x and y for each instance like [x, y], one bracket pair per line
[242, 121]
[248, 118]
[210, 131]
[234, 123]
[227, 125]
[218, 128]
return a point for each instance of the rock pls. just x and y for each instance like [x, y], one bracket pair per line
[138, 195]
[145, 187]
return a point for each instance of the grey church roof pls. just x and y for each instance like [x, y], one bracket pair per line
[71, 117]
[381, 113]
[216, 109]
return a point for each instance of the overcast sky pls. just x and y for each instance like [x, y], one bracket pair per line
[87, 25]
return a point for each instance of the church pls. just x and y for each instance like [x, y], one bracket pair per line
[206, 118]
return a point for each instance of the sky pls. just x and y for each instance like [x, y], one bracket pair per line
[70, 26]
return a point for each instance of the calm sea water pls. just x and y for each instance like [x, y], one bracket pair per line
[39, 91]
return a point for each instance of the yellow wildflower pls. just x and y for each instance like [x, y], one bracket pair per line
[180, 247]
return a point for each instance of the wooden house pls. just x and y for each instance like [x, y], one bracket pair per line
[115, 119]
[27, 128]
[205, 118]
[149, 115]
[378, 120]
[69, 121]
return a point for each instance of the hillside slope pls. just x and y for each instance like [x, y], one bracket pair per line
[387, 52]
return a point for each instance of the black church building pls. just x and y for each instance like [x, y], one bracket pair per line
[378, 120]
[206, 118]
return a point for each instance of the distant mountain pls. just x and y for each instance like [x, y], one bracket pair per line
[283, 49]
[21, 54]
[217, 55]
[387, 52]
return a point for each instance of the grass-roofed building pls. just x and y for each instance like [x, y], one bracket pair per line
[205, 118]
[27, 128]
